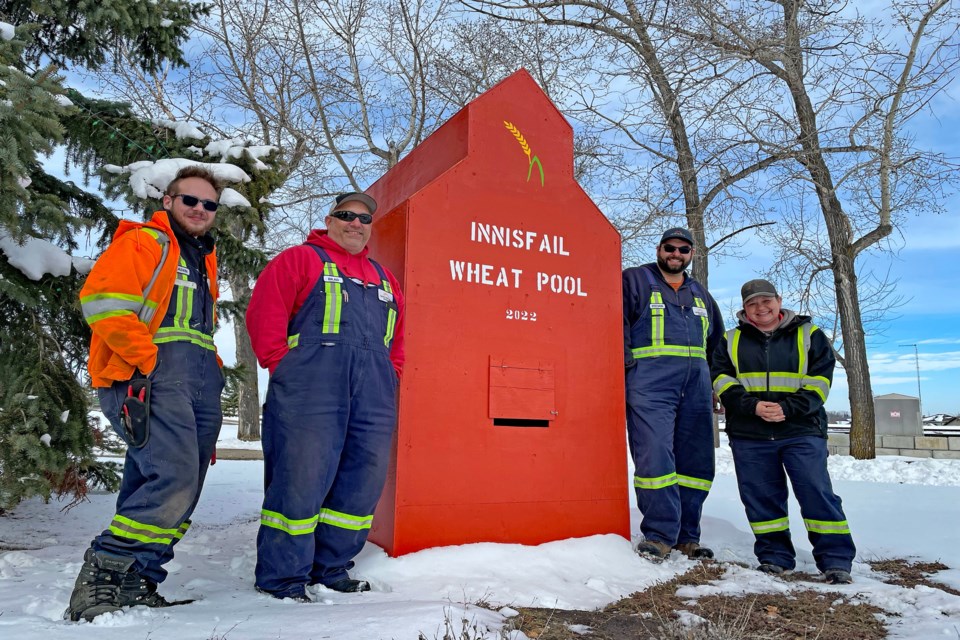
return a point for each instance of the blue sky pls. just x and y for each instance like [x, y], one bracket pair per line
[928, 273]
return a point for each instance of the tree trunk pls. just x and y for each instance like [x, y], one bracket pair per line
[840, 233]
[863, 420]
[248, 428]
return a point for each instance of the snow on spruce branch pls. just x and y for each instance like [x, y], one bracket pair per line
[36, 258]
[149, 179]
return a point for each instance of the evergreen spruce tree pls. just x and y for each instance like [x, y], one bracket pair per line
[46, 439]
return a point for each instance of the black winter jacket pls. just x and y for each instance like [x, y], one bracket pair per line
[774, 367]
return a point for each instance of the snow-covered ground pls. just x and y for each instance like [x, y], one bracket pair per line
[897, 507]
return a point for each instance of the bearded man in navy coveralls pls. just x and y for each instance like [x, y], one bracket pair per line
[671, 326]
[327, 322]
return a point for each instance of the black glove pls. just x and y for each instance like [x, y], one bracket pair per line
[136, 413]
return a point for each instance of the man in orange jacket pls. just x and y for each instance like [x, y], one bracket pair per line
[150, 301]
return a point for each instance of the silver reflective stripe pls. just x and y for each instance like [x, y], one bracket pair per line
[345, 520]
[770, 526]
[101, 304]
[147, 311]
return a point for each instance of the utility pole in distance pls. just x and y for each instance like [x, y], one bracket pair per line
[916, 359]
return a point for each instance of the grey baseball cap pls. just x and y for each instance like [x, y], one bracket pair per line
[757, 288]
[353, 196]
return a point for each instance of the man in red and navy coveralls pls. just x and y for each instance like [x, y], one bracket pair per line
[327, 322]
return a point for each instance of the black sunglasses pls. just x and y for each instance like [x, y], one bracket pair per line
[350, 216]
[684, 250]
[191, 201]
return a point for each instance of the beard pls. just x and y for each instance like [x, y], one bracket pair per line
[667, 268]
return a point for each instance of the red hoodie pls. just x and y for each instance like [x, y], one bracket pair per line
[287, 281]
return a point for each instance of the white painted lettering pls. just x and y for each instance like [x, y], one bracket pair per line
[557, 283]
[488, 274]
[545, 244]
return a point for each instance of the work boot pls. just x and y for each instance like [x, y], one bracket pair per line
[837, 576]
[694, 550]
[97, 589]
[298, 596]
[135, 590]
[653, 549]
[772, 569]
[349, 585]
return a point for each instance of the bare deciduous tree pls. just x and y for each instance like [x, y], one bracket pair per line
[850, 87]
[667, 134]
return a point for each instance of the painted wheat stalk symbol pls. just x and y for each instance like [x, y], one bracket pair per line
[532, 159]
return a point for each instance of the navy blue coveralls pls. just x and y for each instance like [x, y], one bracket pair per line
[668, 336]
[327, 430]
[162, 480]
[793, 366]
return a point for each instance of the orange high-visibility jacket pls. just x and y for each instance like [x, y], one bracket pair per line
[126, 295]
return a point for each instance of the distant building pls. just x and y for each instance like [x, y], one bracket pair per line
[898, 415]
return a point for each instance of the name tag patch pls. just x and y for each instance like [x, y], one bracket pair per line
[657, 305]
[700, 311]
[332, 279]
[385, 296]
[186, 283]
[183, 271]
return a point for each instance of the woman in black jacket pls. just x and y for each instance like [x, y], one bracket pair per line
[773, 374]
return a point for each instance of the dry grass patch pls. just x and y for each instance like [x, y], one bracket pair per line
[658, 614]
[906, 574]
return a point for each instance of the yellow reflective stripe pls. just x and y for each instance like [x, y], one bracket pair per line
[703, 320]
[733, 348]
[332, 299]
[177, 334]
[288, 525]
[107, 314]
[124, 527]
[345, 520]
[293, 341]
[827, 526]
[817, 384]
[723, 382]
[655, 483]
[770, 526]
[678, 350]
[802, 348]
[694, 483]
[181, 318]
[182, 530]
[656, 319]
[391, 317]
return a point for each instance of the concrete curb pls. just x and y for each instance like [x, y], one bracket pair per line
[239, 454]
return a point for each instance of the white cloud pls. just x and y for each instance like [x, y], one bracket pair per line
[939, 341]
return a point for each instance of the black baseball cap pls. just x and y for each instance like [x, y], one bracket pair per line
[676, 233]
[353, 196]
[756, 289]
